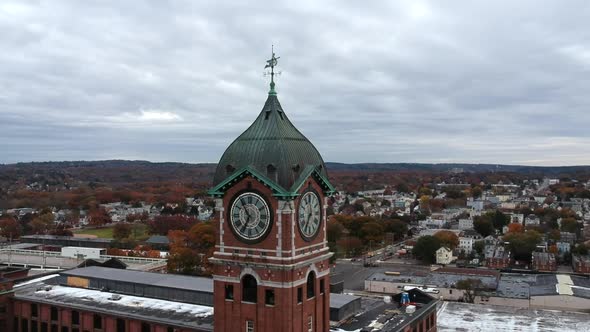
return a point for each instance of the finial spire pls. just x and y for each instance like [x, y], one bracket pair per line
[272, 62]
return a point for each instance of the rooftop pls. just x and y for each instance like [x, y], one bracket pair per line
[389, 317]
[64, 238]
[340, 300]
[148, 278]
[444, 277]
[456, 316]
[141, 308]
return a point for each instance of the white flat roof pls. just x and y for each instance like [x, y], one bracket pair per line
[455, 316]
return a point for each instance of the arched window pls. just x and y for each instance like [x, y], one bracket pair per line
[311, 285]
[249, 289]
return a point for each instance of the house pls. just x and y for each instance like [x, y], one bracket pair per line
[431, 223]
[475, 204]
[466, 244]
[568, 237]
[472, 234]
[581, 264]
[465, 224]
[532, 220]
[517, 217]
[544, 261]
[497, 257]
[563, 247]
[444, 256]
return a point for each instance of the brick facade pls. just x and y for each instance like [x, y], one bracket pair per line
[282, 263]
[31, 317]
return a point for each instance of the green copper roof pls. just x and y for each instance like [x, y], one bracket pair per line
[273, 147]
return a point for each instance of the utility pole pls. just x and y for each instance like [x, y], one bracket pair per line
[10, 249]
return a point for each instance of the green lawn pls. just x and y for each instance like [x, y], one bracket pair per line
[139, 232]
[106, 232]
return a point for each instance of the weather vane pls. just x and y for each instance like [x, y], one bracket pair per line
[272, 63]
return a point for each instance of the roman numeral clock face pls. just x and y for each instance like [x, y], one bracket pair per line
[250, 217]
[310, 215]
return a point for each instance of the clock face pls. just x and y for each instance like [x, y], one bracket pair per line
[250, 217]
[309, 215]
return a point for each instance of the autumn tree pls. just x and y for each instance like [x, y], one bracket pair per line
[398, 227]
[10, 228]
[447, 239]
[334, 230]
[580, 249]
[479, 247]
[483, 226]
[351, 245]
[121, 231]
[476, 192]
[61, 230]
[515, 227]
[470, 288]
[499, 219]
[165, 223]
[98, 217]
[569, 225]
[425, 248]
[137, 217]
[190, 250]
[523, 244]
[42, 223]
[372, 231]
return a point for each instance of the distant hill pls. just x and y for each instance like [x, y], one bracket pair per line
[474, 168]
[128, 172]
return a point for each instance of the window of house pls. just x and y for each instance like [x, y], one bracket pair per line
[65, 329]
[229, 292]
[249, 326]
[170, 329]
[97, 321]
[34, 326]
[310, 324]
[54, 328]
[299, 294]
[311, 285]
[322, 286]
[249, 289]
[34, 310]
[44, 327]
[450, 291]
[75, 318]
[269, 297]
[24, 324]
[54, 314]
[145, 327]
[121, 325]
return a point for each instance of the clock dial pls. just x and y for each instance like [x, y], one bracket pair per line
[250, 217]
[309, 215]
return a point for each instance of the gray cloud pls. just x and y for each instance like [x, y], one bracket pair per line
[403, 81]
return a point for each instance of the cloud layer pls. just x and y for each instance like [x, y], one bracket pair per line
[387, 81]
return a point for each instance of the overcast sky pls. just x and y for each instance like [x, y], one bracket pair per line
[366, 81]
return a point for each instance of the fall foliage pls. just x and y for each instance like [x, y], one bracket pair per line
[190, 250]
[447, 239]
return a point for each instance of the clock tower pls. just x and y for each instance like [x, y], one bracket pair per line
[271, 259]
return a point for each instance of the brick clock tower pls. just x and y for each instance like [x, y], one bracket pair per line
[271, 260]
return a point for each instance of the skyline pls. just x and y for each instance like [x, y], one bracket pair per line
[410, 82]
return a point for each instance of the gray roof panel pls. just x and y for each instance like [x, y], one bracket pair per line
[147, 278]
